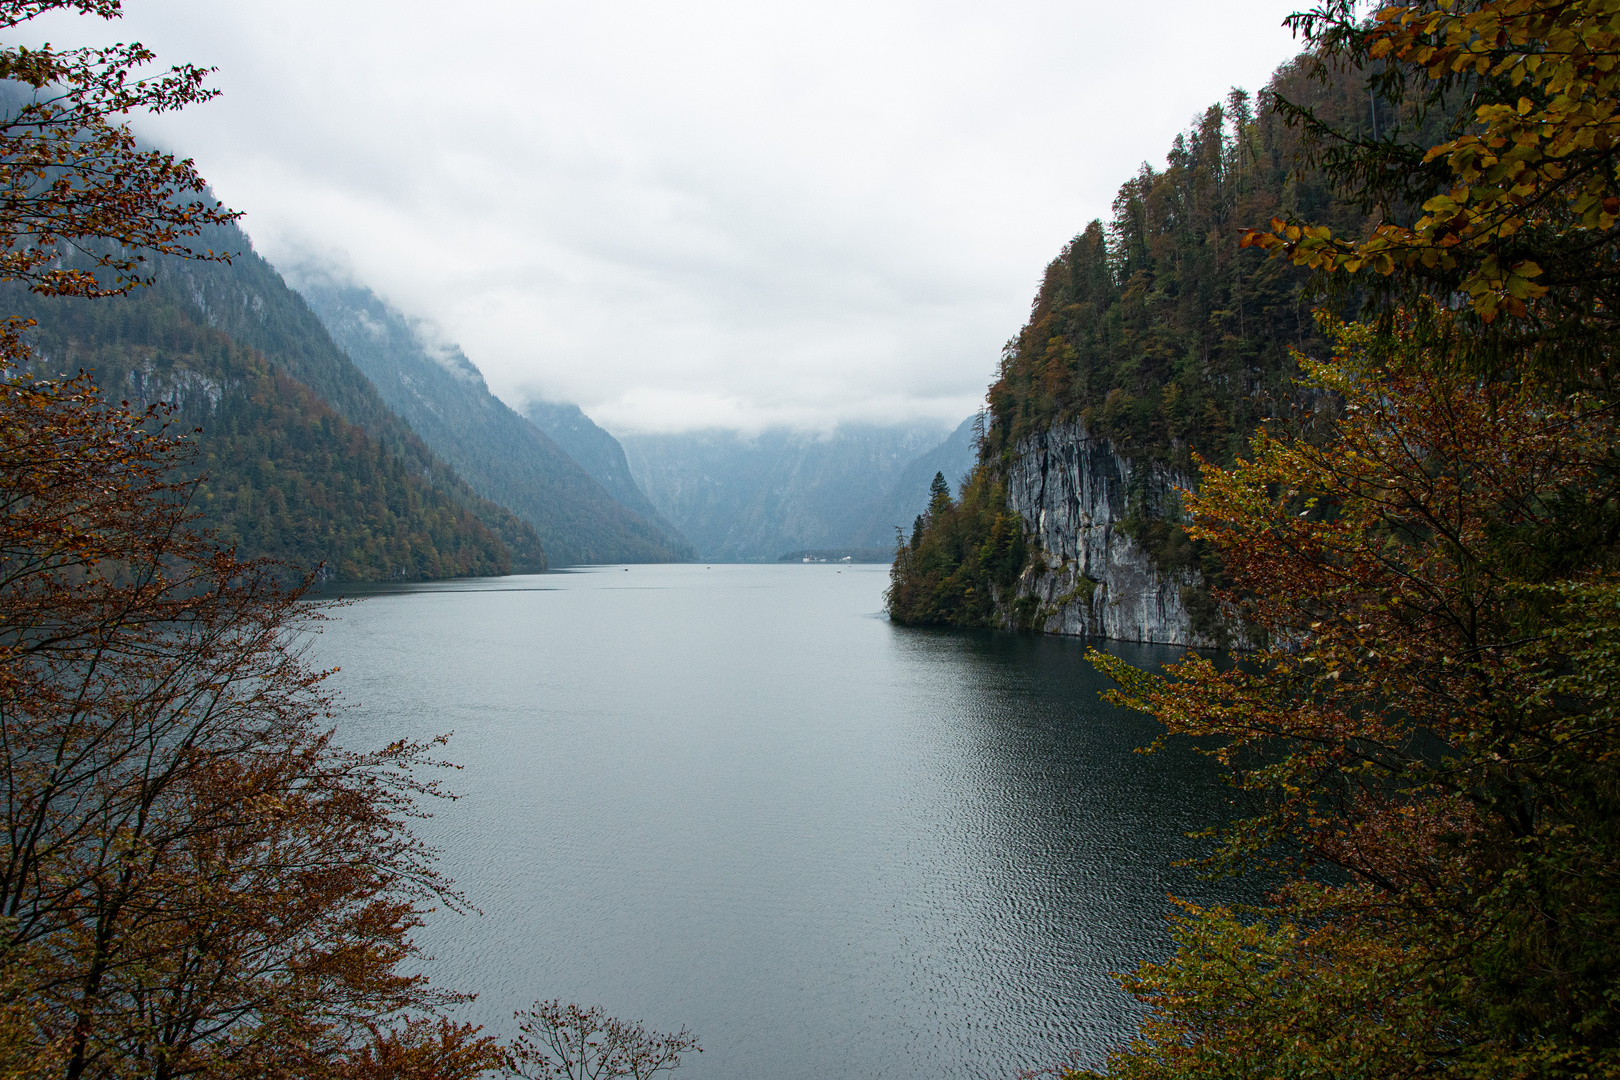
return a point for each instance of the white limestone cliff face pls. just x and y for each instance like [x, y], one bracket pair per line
[1086, 576]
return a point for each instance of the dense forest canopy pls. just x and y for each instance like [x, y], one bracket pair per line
[1163, 333]
[1157, 327]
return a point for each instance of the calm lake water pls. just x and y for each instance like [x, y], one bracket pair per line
[737, 799]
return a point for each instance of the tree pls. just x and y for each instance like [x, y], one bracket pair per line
[1434, 721]
[964, 557]
[205, 881]
[75, 181]
[194, 878]
[1431, 736]
[566, 1042]
[1516, 211]
[1158, 333]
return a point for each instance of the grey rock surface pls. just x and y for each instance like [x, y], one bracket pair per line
[1088, 577]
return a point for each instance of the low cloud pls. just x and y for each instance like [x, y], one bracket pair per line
[712, 214]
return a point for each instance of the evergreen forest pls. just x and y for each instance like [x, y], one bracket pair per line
[1160, 332]
[1369, 328]
[1367, 319]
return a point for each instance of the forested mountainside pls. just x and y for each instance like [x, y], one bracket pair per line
[601, 455]
[1152, 337]
[755, 497]
[443, 397]
[250, 302]
[286, 476]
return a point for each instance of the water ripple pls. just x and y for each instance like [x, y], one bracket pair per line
[732, 799]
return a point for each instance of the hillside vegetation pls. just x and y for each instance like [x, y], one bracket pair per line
[442, 395]
[1424, 731]
[1157, 330]
[302, 460]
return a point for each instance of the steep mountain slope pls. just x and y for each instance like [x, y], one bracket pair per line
[251, 304]
[286, 476]
[1152, 338]
[443, 397]
[599, 454]
[755, 497]
[954, 459]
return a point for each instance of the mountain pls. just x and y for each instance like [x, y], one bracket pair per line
[1154, 339]
[301, 460]
[908, 497]
[250, 303]
[439, 392]
[599, 454]
[754, 497]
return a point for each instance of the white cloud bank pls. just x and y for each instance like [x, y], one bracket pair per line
[709, 213]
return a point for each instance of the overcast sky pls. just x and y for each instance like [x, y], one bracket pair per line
[704, 213]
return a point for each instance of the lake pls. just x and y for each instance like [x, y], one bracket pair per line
[736, 798]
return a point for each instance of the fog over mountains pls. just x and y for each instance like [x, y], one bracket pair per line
[597, 452]
[442, 395]
[592, 498]
[755, 497]
[341, 436]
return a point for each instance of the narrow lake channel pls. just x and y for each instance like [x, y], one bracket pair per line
[737, 799]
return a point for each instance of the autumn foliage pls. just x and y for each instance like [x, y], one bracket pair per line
[195, 879]
[1515, 212]
[1433, 724]
[74, 180]
[1429, 743]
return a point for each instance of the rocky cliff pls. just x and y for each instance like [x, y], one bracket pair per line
[1087, 574]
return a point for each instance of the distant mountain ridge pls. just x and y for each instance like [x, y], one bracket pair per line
[745, 497]
[599, 454]
[442, 395]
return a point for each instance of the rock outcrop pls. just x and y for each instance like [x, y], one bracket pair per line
[1087, 576]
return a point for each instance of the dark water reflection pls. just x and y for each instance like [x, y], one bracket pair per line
[738, 799]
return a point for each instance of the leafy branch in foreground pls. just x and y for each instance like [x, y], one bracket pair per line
[1432, 734]
[1518, 206]
[74, 180]
[195, 877]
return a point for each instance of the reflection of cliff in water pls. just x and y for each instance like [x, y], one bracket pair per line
[1071, 835]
